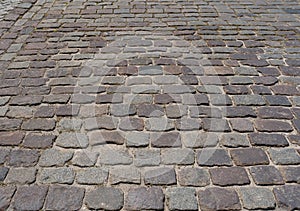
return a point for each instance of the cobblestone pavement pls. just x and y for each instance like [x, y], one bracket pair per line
[150, 105]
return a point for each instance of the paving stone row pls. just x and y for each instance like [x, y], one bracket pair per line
[146, 105]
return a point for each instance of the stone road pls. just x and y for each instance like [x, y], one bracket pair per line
[150, 105]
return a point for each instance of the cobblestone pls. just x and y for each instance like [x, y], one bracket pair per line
[143, 105]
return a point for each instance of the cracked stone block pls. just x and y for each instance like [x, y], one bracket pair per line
[62, 175]
[6, 193]
[177, 156]
[124, 175]
[215, 198]
[142, 198]
[160, 176]
[72, 140]
[288, 196]
[54, 157]
[107, 198]
[181, 198]
[229, 176]
[23, 157]
[64, 198]
[257, 198]
[147, 157]
[213, 157]
[30, 197]
[21, 175]
[190, 176]
[91, 176]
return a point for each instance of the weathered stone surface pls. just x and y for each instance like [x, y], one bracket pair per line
[181, 199]
[21, 175]
[170, 139]
[137, 139]
[54, 157]
[110, 156]
[160, 176]
[9, 124]
[177, 156]
[3, 173]
[91, 176]
[147, 157]
[266, 175]
[257, 198]
[272, 126]
[234, 140]
[11, 138]
[284, 156]
[6, 193]
[215, 198]
[103, 122]
[131, 123]
[39, 124]
[62, 175]
[84, 158]
[38, 140]
[64, 198]
[22, 157]
[106, 198]
[72, 140]
[143, 198]
[213, 157]
[291, 174]
[190, 176]
[196, 139]
[266, 139]
[124, 175]
[249, 156]
[106, 137]
[229, 176]
[288, 196]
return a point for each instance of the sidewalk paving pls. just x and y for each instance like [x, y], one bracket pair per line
[150, 105]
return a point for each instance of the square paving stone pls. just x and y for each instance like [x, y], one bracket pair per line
[64, 198]
[181, 199]
[107, 198]
[142, 198]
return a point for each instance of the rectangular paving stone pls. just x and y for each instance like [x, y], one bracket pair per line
[266, 175]
[160, 176]
[180, 198]
[91, 176]
[229, 176]
[249, 156]
[257, 198]
[61, 175]
[125, 174]
[213, 157]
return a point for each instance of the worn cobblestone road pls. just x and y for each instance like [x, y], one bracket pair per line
[150, 105]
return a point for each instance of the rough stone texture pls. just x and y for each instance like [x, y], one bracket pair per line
[6, 193]
[215, 198]
[22, 157]
[213, 157]
[229, 176]
[124, 175]
[91, 176]
[266, 175]
[190, 176]
[249, 156]
[72, 140]
[64, 198]
[181, 199]
[30, 198]
[54, 157]
[257, 198]
[177, 156]
[160, 176]
[62, 175]
[107, 198]
[284, 156]
[145, 198]
[21, 175]
[288, 196]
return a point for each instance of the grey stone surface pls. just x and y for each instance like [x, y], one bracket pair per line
[55, 157]
[160, 176]
[181, 199]
[257, 198]
[61, 175]
[91, 176]
[107, 198]
[72, 140]
[21, 176]
[125, 174]
[190, 176]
